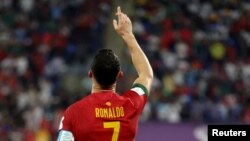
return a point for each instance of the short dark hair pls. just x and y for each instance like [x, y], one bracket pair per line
[105, 67]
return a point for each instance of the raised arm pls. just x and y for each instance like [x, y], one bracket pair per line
[123, 27]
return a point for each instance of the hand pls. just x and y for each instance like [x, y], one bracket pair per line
[123, 26]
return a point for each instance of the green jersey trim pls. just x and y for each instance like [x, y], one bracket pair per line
[145, 90]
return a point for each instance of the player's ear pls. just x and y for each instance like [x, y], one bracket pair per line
[90, 74]
[120, 74]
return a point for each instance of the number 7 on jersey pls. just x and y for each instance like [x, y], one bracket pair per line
[116, 126]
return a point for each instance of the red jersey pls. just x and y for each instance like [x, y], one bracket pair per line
[104, 116]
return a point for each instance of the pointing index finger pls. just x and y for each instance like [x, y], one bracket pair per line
[118, 9]
[119, 14]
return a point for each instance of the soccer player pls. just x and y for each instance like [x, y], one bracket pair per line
[105, 115]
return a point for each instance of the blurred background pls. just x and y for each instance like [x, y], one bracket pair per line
[199, 51]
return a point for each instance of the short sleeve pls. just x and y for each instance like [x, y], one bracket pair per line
[140, 89]
[138, 96]
[66, 121]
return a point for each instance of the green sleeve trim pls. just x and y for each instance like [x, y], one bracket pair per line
[142, 87]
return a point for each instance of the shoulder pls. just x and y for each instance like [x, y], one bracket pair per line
[77, 104]
[137, 95]
[80, 102]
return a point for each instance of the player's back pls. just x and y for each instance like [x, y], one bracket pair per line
[105, 116]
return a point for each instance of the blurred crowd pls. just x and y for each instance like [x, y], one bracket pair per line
[199, 51]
